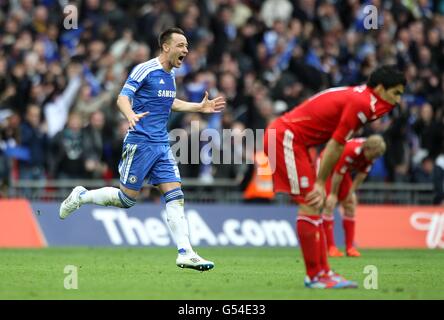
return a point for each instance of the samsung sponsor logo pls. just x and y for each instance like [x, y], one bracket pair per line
[166, 93]
[124, 230]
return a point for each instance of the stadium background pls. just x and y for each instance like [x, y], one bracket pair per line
[60, 126]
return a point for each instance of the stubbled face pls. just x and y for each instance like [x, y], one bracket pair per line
[393, 94]
[176, 49]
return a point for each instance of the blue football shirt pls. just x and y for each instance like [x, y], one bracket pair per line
[150, 88]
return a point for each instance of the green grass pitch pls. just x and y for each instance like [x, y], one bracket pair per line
[240, 273]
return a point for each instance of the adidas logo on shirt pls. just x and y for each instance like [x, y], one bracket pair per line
[161, 81]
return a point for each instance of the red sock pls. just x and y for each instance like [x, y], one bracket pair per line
[349, 229]
[324, 258]
[328, 223]
[308, 230]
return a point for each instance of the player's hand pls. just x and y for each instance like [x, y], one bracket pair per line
[212, 106]
[331, 202]
[316, 197]
[134, 118]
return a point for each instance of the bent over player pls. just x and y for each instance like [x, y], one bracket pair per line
[331, 116]
[146, 100]
[358, 155]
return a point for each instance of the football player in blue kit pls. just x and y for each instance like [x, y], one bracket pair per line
[146, 100]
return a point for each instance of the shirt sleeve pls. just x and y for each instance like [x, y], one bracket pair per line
[353, 117]
[132, 84]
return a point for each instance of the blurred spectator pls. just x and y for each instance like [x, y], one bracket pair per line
[10, 139]
[429, 131]
[33, 137]
[224, 32]
[241, 12]
[60, 100]
[424, 173]
[273, 10]
[432, 173]
[94, 140]
[232, 149]
[22, 85]
[397, 155]
[87, 104]
[68, 152]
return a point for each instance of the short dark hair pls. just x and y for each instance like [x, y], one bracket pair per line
[166, 35]
[389, 76]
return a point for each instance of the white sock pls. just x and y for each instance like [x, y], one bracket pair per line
[178, 224]
[107, 196]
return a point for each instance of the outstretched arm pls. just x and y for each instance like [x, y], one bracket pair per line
[205, 106]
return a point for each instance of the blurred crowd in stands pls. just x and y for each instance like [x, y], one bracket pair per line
[58, 85]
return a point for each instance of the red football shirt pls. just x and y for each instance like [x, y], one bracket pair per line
[336, 112]
[353, 158]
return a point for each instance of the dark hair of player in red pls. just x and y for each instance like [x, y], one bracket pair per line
[388, 76]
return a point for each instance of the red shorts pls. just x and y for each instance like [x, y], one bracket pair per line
[293, 169]
[344, 187]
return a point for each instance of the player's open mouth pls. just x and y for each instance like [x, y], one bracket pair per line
[181, 58]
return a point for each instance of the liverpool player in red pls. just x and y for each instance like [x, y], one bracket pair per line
[358, 155]
[332, 116]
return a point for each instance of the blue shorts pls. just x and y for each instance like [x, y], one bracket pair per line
[142, 161]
